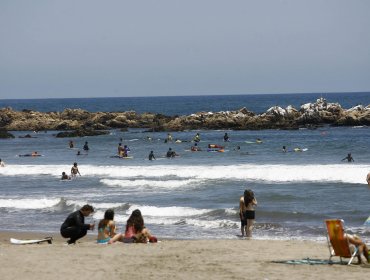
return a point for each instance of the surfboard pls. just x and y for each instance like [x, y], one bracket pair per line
[121, 157]
[30, 155]
[367, 222]
[30, 241]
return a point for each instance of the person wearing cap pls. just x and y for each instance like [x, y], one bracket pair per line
[74, 226]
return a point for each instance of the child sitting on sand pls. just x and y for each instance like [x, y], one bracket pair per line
[107, 228]
[135, 231]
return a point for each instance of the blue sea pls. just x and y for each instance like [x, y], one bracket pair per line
[195, 195]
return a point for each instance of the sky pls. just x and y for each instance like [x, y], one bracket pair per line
[118, 48]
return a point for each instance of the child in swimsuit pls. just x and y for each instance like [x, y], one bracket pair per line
[107, 228]
[135, 231]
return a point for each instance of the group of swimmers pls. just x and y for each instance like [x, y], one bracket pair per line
[74, 172]
[74, 227]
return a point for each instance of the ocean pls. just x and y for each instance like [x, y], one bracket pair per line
[195, 195]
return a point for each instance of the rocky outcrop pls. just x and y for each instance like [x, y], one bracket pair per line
[4, 134]
[81, 133]
[82, 122]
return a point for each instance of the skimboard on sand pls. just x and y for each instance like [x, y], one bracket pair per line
[30, 241]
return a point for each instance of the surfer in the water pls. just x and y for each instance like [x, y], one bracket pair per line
[349, 158]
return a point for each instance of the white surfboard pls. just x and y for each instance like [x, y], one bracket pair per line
[30, 241]
[367, 222]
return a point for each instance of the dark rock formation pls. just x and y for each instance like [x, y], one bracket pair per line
[83, 123]
[81, 133]
[4, 134]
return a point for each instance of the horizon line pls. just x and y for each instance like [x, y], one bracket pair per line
[171, 96]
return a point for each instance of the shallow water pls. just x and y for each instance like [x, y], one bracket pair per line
[196, 194]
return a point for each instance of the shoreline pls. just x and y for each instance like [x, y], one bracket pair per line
[183, 259]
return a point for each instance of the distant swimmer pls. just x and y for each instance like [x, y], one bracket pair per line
[2, 163]
[196, 138]
[120, 149]
[33, 154]
[368, 178]
[195, 148]
[126, 150]
[71, 144]
[237, 148]
[74, 170]
[226, 138]
[258, 140]
[86, 146]
[151, 155]
[284, 149]
[78, 153]
[171, 153]
[65, 176]
[349, 158]
[169, 137]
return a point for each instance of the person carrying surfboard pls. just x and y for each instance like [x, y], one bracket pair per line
[74, 226]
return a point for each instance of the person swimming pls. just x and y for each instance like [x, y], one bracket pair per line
[226, 138]
[349, 158]
[151, 155]
[33, 154]
[65, 176]
[86, 146]
[171, 153]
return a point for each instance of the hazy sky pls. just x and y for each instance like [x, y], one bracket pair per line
[93, 48]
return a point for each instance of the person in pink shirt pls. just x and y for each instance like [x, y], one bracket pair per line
[135, 231]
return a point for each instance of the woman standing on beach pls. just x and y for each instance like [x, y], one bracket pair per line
[248, 212]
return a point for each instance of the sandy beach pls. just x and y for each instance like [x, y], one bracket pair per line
[180, 259]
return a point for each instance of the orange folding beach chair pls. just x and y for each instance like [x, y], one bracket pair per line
[338, 242]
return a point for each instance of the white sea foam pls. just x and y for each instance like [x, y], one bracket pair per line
[163, 215]
[346, 173]
[28, 203]
[173, 211]
[157, 184]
